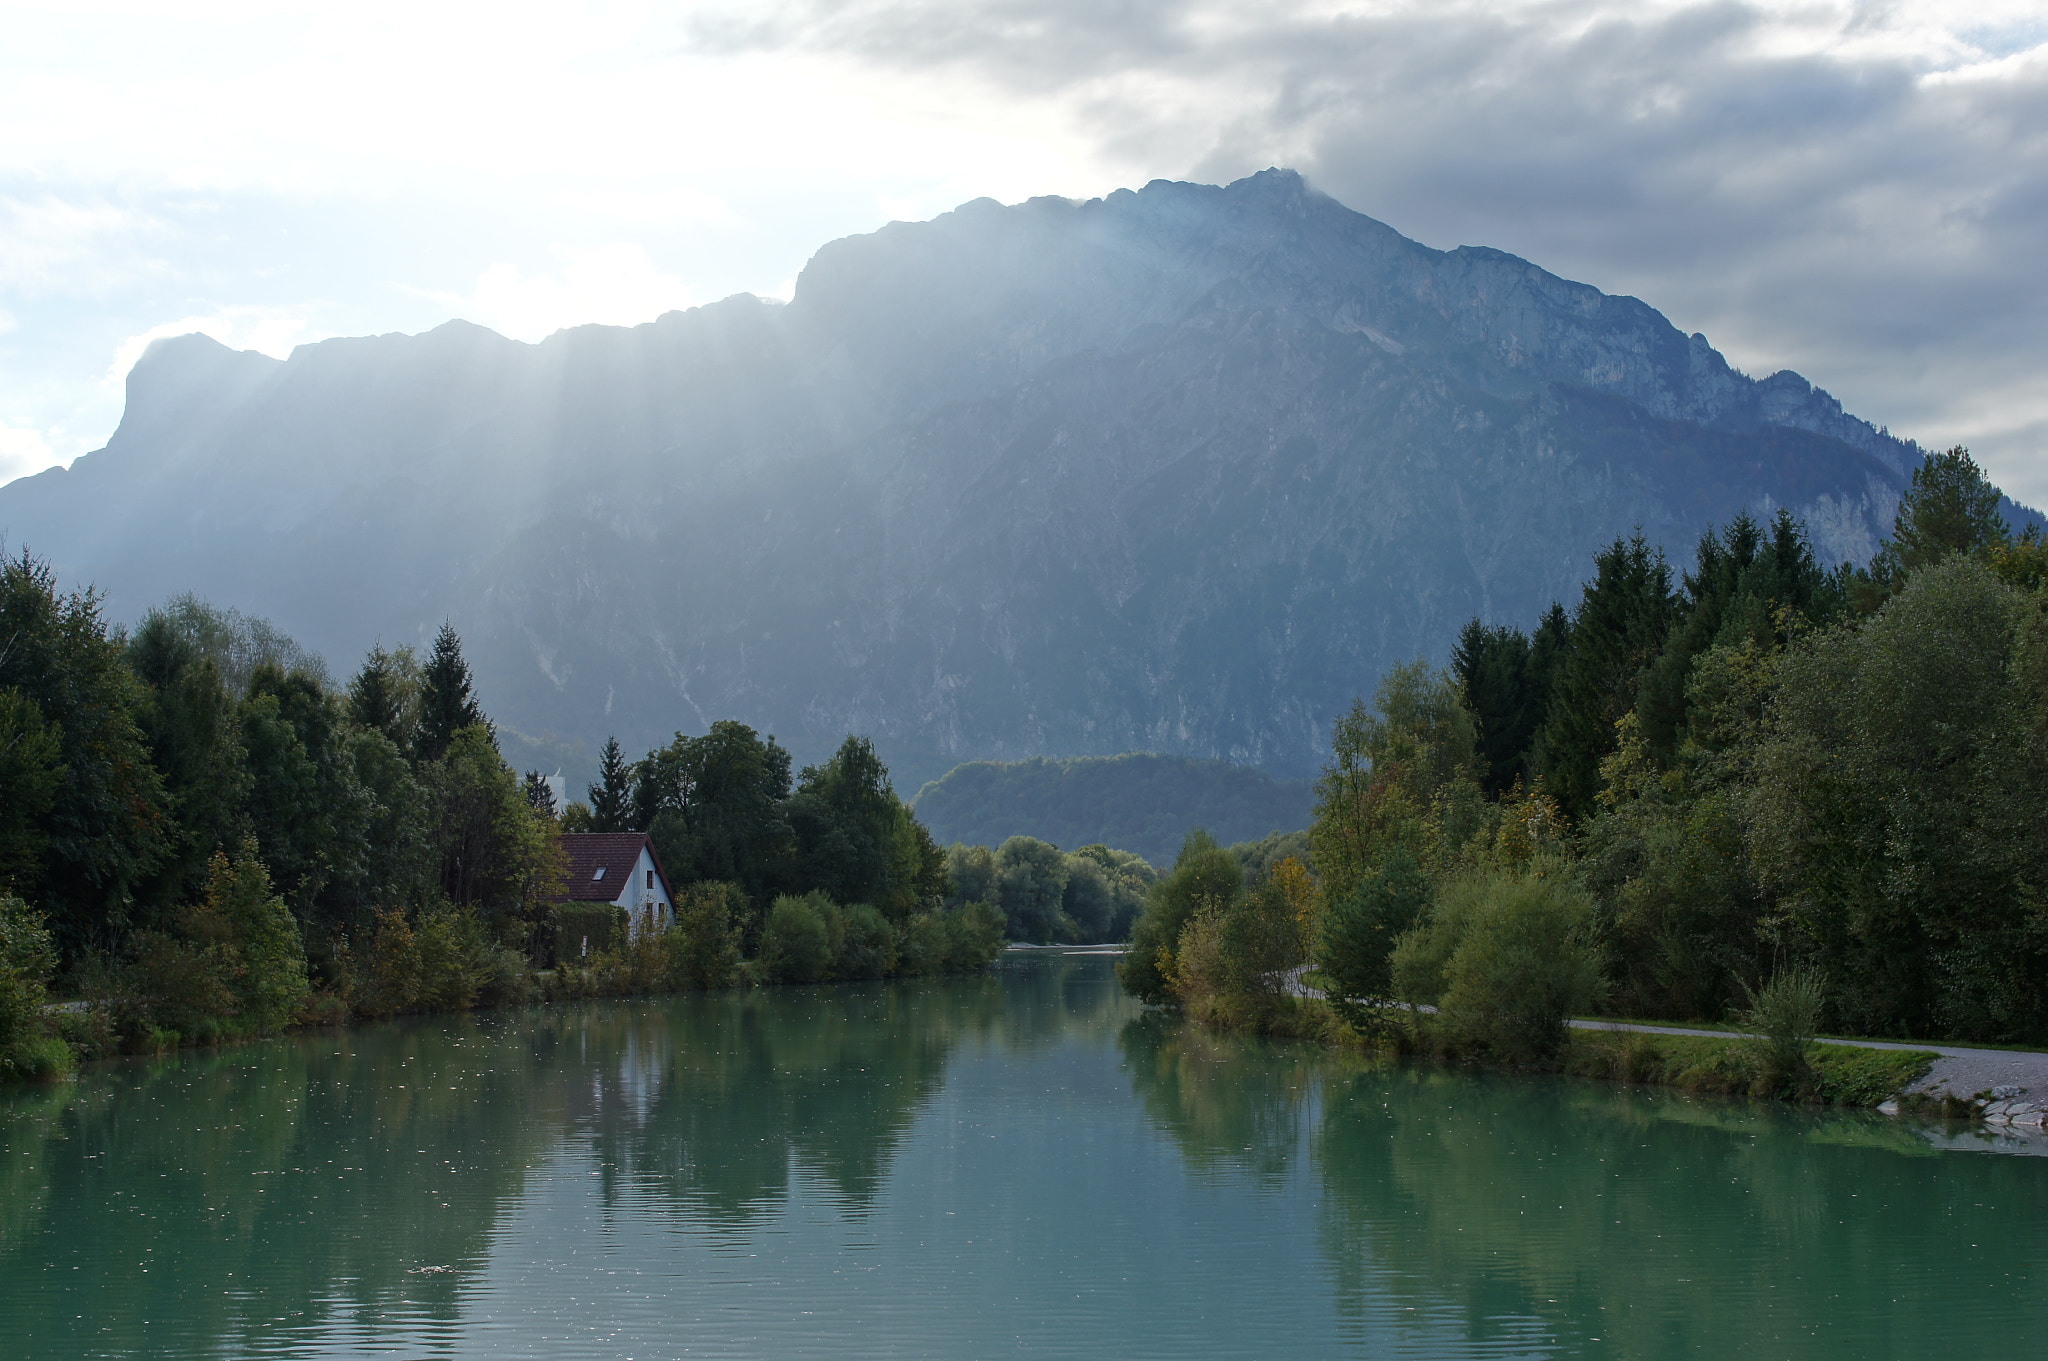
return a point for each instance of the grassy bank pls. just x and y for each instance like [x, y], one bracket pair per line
[1836, 1074]
[1830, 1074]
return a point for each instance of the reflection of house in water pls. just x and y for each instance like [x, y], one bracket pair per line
[622, 870]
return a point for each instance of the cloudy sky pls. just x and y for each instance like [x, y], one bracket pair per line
[1856, 191]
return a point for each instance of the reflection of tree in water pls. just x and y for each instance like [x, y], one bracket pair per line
[1522, 1209]
[1231, 1104]
[283, 1190]
[746, 1085]
[1643, 1218]
[296, 1180]
[1055, 998]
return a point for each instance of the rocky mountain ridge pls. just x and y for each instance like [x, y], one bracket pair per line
[1182, 468]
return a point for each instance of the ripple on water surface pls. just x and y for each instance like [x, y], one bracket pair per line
[1018, 1164]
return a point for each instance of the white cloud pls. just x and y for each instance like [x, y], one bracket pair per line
[1850, 188]
[23, 452]
[616, 285]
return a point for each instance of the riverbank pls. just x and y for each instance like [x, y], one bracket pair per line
[403, 972]
[1871, 1074]
[1999, 1086]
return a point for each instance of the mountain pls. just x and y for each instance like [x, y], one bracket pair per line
[1140, 801]
[1181, 469]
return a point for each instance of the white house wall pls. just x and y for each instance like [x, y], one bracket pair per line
[635, 895]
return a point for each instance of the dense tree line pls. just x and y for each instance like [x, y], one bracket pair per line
[1087, 896]
[201, 829]
[1754, 784]
[724, 807]
[830, 876]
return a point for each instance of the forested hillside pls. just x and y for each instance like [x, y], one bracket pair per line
[1755, 789]
[1181, 470]
[1143, 802]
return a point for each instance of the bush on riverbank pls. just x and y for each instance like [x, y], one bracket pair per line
[441, 958]
[806, 939]
[228, 965]
[1501, 955]
[29, 1048]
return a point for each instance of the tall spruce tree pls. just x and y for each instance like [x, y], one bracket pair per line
[1746, 581]
[1951, 508]
[447, 704]
[611, 798]
[384, 695]
[1617, 631]
[540, 795]
[1491, 663]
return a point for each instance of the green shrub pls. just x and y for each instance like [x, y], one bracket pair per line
[796, 942]
[1518, 970]
[269, 979]
[235, 964]
[506, 979]
[1355, 942]
[974, 937]
[440, 959]
[1422, 954]
[382, 979]
[706, 939]
[455, 959]
[867, 947]
[28, 956]
[922, 948]
[1203, 873]
[176, 985]
[1229, 966]
[585, 929]
[1785, 1012]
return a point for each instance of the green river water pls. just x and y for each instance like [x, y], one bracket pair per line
[1022, 1163]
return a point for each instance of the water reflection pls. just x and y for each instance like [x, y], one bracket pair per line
[252, 1197]
[297, 1178]
[716, 1100]
[967, 1167]
[1543, 1214]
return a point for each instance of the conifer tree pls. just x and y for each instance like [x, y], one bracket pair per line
[1951, 508]
[384, 695]
[447, 704]
[1617, 631]
[611, 798]
[540, 795]
[1491, 663]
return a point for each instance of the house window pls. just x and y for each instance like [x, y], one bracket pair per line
[650, 878]
[599, 875]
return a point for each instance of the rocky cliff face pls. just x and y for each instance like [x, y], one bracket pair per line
[1183, 468]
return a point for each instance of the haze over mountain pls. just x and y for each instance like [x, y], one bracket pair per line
[1181, 469]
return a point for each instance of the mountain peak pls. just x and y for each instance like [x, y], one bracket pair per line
[1182, 468]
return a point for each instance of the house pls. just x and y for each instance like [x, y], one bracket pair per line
[619, 868]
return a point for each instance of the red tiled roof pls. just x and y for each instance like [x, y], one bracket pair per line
[616, 853]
